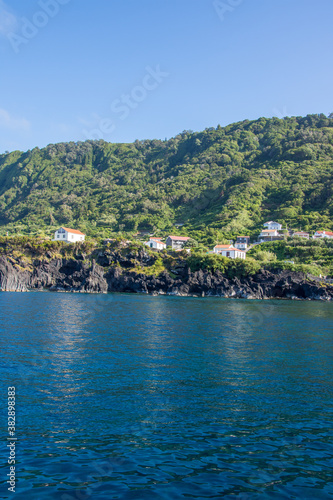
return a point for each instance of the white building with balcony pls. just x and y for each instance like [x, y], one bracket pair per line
[268, 235]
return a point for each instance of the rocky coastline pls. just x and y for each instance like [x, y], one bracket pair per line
[111, 272]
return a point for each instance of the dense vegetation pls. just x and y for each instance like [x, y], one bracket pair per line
[218, 183]
[296, 254]
[313, 257]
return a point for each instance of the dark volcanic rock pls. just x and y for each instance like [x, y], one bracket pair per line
[111, 272]
[58, 274]
[11, 280]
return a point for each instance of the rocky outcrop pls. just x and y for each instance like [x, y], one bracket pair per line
[59, 275]
[113, 273]
[11, 280]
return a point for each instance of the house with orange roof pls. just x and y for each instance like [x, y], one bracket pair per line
[268, 235]
[229, 251]
[155, 243]
[68, 235]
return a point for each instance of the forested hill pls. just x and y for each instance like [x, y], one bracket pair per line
[229, 178]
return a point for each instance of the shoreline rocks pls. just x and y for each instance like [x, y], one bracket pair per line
[77, 275]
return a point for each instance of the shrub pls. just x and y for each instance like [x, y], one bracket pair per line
[209, 262]
[265, 256]
[240, 268]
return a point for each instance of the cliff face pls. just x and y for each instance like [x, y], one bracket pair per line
[98, 276]
[58, 274]
[10, 278]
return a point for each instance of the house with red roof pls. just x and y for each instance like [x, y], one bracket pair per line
[68, 235]
[229, 251]
[323, 234]
[176, 242]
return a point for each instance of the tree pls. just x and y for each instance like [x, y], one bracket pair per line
[191, 243]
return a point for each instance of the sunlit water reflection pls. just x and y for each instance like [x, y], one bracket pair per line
[140, 397]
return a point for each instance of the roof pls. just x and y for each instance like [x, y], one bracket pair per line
[74, 231]
[243, 236]
[156, 239]
[272, 222]
[228, 247]
[268, 230]
[179, 238]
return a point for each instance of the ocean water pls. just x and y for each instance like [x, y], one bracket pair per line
[124, 396]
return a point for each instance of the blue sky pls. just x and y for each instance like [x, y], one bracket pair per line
[124, 70]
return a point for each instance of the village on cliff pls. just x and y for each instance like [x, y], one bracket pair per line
[273, 231]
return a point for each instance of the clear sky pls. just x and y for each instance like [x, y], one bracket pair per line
[122, 70]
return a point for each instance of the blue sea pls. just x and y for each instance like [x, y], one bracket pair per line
[132, 397]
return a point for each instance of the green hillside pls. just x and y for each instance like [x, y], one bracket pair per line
[225, 180]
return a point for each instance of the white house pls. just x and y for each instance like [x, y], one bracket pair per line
[301, 234]
[229, 251]
[268, 234]
[156, 243]
[68, 235]
[273, 225]
[176, 242]
[242, 242]
[323, 234]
